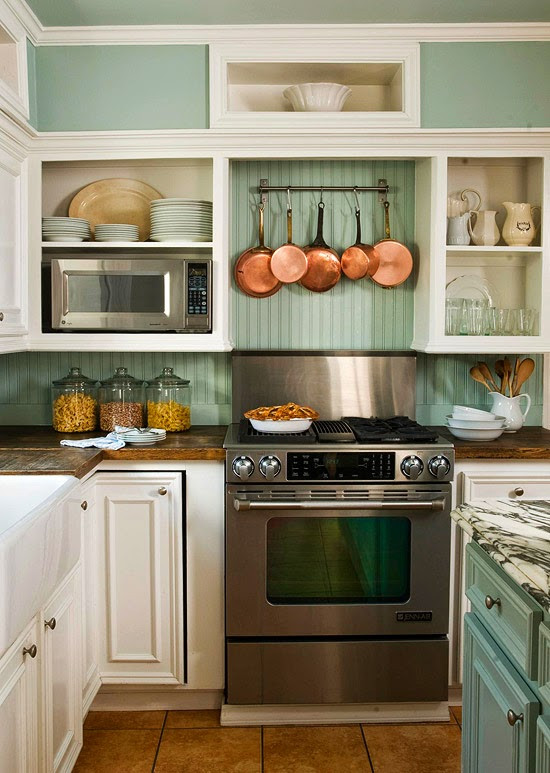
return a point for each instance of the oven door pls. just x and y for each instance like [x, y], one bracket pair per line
[117, 294]
[337, 562]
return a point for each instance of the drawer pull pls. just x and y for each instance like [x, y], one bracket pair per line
[490, 602]
[163, 491]
[519, 492]
[512, 717]
[32, 650]
[84, 505]
[50, 623]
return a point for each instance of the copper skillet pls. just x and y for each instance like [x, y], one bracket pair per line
[396, 261]
[360, 259]
[323, 264]
[252, 270]
[289, 262]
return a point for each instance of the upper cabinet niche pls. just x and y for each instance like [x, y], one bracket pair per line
[14, 92]
[248, 80]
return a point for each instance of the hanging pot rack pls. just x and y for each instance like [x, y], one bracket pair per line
[382, 189]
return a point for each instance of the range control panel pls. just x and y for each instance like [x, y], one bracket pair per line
[368, 465]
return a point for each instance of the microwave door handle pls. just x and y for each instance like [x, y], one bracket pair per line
[338, 504]
[65, 292]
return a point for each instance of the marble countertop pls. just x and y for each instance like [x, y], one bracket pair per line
[516, 535]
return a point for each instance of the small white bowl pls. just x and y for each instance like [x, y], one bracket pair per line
[317, 97]
[292, 425]
[496, 423]
[464, 411]
[476, 434]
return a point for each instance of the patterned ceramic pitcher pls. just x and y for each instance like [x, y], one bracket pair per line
[519, 229]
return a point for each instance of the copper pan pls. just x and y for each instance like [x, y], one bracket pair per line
[253, 268]
[323, 264]
[396, 261]
[289, 262]
[360, 259]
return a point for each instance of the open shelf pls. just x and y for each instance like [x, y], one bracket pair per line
[108, 246]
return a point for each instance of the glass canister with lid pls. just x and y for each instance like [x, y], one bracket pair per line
[121, 401]
[168, 402]
[74, 403]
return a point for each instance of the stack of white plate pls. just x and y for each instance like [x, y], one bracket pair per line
[472, 424]
[65, 229]
[141, 437]
[116, 232]
[181, 219]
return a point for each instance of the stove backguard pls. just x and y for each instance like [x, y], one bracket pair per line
[335, 383]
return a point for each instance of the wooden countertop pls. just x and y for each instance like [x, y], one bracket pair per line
[36, 450]
[526, 443]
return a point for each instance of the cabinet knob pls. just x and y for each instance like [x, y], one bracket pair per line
[84, 505]
[1, 316]
[519, 492]
[50, 623]
[163, 491]
[512, 717]
[490, 602]
[32, 650]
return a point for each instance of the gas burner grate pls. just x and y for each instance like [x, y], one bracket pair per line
[398, 429]
[328, 431]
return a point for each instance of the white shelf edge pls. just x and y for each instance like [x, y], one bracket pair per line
[472, 249]
[93, 245]
[121, 342]
[483, 345]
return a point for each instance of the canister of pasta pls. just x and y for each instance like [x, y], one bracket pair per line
[168, 402]
[74, 403]
[121, 401]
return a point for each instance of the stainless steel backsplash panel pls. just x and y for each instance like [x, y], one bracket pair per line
[336, 383]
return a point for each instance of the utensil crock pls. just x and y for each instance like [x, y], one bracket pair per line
[509, 407]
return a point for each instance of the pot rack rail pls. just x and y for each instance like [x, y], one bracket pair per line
[382, 189]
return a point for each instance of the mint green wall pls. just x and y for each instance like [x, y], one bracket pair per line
[69, 12]
[471, 85]
[353, 315]
[25, 380]
[121, 87]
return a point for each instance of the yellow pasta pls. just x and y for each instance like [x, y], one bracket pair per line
[170, 416]
[74, 413]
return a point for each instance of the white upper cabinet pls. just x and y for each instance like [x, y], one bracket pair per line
[14, 91]
[247, 81]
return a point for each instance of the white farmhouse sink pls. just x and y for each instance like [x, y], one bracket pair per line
[39, 544]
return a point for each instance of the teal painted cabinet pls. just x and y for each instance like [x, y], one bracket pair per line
[492, 689]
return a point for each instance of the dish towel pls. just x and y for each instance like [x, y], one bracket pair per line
[112, 442]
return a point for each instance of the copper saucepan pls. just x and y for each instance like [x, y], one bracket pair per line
[289, 262]
[253, 273]
[323, 264]
[396, 261]
[360, 259]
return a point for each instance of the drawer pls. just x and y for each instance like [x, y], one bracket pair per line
[510, 486]
[514, 617]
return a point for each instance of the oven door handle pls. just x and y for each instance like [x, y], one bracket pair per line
[337, 504]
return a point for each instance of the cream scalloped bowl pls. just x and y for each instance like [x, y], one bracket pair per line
[317, 97]
[292, 425]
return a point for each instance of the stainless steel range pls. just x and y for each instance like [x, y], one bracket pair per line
[337, 551]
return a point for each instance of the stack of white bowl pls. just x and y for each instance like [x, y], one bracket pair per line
[181, 220]
[140, 437]
[65, 229]
[472, 424]
[116, 232]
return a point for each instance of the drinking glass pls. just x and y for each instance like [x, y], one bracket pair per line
[474, 314]
[490, 321]
[526, 322]
[501, 321]
[454, 316]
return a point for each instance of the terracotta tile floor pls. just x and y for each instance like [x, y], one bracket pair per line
[194, 742]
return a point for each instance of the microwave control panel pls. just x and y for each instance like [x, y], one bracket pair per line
[198, 295]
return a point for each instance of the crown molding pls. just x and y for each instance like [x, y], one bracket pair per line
[26, 18]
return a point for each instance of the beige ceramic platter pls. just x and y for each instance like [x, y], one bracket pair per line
[116, 200]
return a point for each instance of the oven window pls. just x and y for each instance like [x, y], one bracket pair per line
[338, 560]
[120, 293]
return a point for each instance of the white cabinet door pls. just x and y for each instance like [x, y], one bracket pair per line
[140, 578]
[19, 704]
[62, 677]
[13, 247]
[91, 683]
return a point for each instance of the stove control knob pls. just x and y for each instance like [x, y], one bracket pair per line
[243, 467]
[439, 466]
[270, 467]
[412, 467]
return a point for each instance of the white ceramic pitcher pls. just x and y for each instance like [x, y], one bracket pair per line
[484, 231]
[519, 229]
[458, 229]
[509, 408]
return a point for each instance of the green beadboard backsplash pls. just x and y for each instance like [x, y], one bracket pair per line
[25, 380]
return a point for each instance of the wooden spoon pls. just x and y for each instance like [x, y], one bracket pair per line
[515, 377]
[508, 375]
[476, 374]
[527, 366]
[486, 373]
[499, 370]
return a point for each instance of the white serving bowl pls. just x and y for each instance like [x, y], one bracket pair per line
[317, 97]
[465, 412]
[292, 425]
[496, 423]
[476, 434]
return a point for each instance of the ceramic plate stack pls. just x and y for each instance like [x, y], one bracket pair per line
[144, 437]
[116, 232]
[65, 229]
[472, 424]
[181, 220]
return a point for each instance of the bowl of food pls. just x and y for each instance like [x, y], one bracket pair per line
[317, 97]
[282, 418]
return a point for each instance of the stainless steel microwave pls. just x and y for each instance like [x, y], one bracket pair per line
[131, 294]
